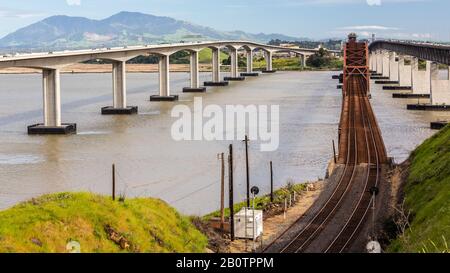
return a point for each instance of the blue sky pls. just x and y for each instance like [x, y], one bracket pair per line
[401, 19]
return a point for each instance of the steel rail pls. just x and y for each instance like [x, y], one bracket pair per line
[372, 144]
[352, 135]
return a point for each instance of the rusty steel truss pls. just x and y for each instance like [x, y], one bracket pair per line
[356, 64]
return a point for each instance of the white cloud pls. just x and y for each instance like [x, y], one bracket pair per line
[94, 37]
[12, 13]
[374, 2]
[73, 2]
[373, 27]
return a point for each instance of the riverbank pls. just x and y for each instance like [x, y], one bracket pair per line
[57, 223]
[290, 203]
[420, 220]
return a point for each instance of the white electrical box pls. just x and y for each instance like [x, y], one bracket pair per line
[247, 225]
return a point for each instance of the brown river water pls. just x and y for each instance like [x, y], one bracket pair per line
[150, 163]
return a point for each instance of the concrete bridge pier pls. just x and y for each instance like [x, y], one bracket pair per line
[52, 107]
[234, 66]
[393, 67]
[440, 89]
[164, 81]
[420, 78]
[303, 60]
[215, 69]
[119, 92]
[404, 79]
[194, 70]
[249, 72]
[269, 65]
[372, 62]
[379, 62]
[385, 64]
[404, 72]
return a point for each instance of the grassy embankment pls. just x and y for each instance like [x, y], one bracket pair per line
[427, 197]
[263, 202]
[49, 223]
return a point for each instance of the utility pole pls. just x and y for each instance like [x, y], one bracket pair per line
[248, 174]
[113, 182]
[230, 176]
[222, 190]
[271, 182]
[334, 153]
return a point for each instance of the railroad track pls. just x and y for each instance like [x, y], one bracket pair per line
[361, 212]
[361, 150]
[362, 146]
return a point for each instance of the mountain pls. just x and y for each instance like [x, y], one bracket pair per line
[124, 28]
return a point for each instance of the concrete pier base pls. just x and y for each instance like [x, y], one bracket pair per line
[410, 96]
[250, 74]
[41, 129]
[110, 110]
[164, 98]
[438, 125]
[428, 107]
[268, 71]
[397, 88]
[386, 82]
[379, 78]
[230, 79]
[220, 83]
[194, 90]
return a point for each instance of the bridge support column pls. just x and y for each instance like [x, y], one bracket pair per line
[269, 66]
[303, 60]
[404, 72]
[420, 78]
[393, 67]
[234, 66]
[249, 72]
[379, 65]
[164, 81]
[52, 107]
[385, 64]
[119, 92]
[215, 70]
[194, 70]
[440, 89]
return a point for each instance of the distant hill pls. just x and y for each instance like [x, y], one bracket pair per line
[124, 28]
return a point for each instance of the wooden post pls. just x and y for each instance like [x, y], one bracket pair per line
[271, 182]
[222, 190]
[114, 182]
[334, 153]
[247, 170]
[230, 177]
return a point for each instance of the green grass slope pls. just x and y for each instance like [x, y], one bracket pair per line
[427, 195]
[49, 223]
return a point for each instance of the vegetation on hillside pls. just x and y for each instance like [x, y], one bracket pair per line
[263, 202]
[329, 44]
[427, 198]
[324, 60]
[98, 224]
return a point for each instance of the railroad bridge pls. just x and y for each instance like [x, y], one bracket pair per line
[339, 221]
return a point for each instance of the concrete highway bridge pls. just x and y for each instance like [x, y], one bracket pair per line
[396, 64]
[52, 62]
